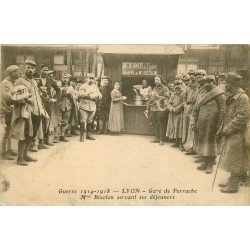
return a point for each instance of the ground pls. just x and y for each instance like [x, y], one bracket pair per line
[113, 163]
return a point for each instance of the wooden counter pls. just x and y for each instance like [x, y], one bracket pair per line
[135, 121]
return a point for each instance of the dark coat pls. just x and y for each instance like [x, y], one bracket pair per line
[65, 102]
[234, 154]
[46, 96]
[206, 119]
[105, 100]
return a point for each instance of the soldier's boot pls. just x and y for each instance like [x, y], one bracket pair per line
[89, 137]
[190, 152]
[26, 157]
[101, 124]
[243, 179]
[156, 140]
[202, 167]
[176, 144]
[20, 155]
[181, 147]
[41, 145]
[209, 169]
[33, 146]
[233, 185]
[63, 130]
[224, 183]
[56, 137]
[82, 132]
[10, 150]
[200, 159]
[161, 143]
[5, 153]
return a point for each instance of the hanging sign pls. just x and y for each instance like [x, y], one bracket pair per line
[139, 69]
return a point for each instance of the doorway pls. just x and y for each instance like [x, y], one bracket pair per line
[129, 81]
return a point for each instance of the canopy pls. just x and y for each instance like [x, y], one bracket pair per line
[141, 49]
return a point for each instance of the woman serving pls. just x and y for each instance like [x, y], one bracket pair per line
[116, 118]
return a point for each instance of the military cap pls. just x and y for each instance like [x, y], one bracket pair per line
[222, 75]
[178, 82]
[201, 72]
[65, 74]
[30, 62]
[209, 78]
[178, 77]
[50, 72]
[73, 78]
[186, 77]
[233, 77]
[44, 66]
[191, 72]
[105, 77]
[90, 75]
[11, 68]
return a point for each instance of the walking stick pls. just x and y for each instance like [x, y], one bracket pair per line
[217, 167]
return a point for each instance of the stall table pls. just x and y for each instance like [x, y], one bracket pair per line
[135, 121]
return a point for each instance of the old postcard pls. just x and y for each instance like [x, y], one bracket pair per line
[130, 124]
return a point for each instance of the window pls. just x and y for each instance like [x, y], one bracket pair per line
[19, 59]
[58, 59]
[30, 58]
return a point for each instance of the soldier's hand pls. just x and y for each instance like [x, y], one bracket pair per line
[21, 101]
[193, 127]
[219, 134]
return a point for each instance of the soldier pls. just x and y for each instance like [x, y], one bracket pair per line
[190, 145]
[234, 153]
[206, 119]
[46, 84]
[88, 93]
[104, 104]
[73, 120]
[27, 113]
[158, 109]
[174, 128]
[13, 73]
[65, 105]
[189, 102]
[35, 145]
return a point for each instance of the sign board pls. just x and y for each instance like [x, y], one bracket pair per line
[139, 69]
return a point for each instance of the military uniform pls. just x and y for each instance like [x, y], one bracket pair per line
[158, 111]
[87, 94]
[27, 117]
[6, 112]
[189, 102]
[46, 86]
[65, 106]
[206, 119]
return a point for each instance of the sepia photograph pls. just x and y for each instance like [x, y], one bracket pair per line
[125, 124]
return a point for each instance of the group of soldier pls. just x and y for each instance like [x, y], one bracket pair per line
[39, 111]
[202, 116]
[205, 117]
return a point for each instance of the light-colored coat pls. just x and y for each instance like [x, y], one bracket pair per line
[234, 155]
[88, 93]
